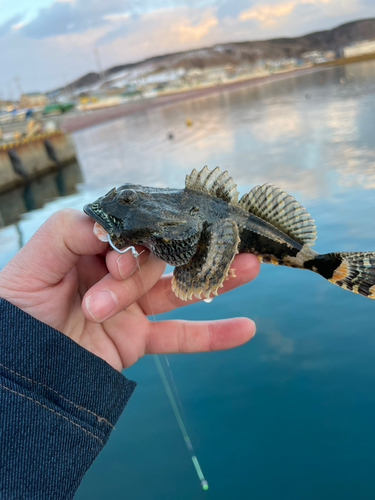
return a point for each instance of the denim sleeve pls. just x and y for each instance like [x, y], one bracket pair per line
[58, 406]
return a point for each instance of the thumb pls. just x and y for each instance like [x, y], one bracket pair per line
[54, 249]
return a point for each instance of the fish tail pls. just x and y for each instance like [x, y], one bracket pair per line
[354, 271]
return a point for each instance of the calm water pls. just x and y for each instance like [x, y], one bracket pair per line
[291, 414]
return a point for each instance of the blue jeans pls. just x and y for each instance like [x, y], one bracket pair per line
[58, 406]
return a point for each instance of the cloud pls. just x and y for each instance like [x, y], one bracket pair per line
[82, 42]
[292, 11]
[186, 31]
[160, 28]
[161, 31]
[18, 26]
[119, 32]
[268, 14]
[304, 10]
[114, 18]
[6, 27]
[75, 16]
[229, 8]
[63, 17]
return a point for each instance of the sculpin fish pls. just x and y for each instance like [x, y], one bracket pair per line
[200, 229]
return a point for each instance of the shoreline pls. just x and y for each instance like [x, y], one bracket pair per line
[77, 122]
[71, 123]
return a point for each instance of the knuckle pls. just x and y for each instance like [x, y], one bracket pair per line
[210, 338]
[182, 338]
[60, 218]
[134, 287]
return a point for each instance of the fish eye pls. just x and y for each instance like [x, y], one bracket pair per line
[127, 196]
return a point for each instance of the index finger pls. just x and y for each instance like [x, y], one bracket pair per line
[56, 247]
[161, 297]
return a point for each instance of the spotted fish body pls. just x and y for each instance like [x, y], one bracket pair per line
[200, 229]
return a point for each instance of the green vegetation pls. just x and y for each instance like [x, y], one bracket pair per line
[57, 108]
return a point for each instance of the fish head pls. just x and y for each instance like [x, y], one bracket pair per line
[152, 217]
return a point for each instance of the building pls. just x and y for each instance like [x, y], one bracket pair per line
[360, 48]
[33, 100]
[312, 57]
[317, 56]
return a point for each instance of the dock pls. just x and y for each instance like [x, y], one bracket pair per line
[30, 157]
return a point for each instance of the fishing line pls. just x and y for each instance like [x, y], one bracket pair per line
[169, 385]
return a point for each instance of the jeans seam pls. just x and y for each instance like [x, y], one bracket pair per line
[79, 407]
[53, 411]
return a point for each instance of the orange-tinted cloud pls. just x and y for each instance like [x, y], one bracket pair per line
[187, 32]
[270, 14]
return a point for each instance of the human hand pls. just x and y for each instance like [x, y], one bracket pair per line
[65, 277]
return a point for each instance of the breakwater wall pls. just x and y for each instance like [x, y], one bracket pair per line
[24, 160]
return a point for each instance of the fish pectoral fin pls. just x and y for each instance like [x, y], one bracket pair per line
[208, 268]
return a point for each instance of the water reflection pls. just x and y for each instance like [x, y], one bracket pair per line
[279, 345]
[36, 193]
[271, 133]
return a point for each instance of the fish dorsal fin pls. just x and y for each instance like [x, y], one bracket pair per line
[282, 211]
[213, 182]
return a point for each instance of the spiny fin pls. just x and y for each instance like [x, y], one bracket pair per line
[282, 211]
[213, 182]
[354, 271]
[207, 270]
[231, 274]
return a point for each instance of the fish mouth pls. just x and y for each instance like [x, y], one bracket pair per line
[109, 223]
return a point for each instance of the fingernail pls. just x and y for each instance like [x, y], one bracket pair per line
[255, 328]
[101, 304]
[126, 265]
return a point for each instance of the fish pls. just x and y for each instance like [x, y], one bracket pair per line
[201, 228]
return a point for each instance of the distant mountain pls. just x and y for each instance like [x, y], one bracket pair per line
[85, 80]
[240, 52]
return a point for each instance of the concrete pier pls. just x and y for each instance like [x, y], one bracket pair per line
[35, 194]
[26, 159]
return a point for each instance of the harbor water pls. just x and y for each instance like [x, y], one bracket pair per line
[290, 415]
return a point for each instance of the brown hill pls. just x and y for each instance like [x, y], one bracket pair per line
[239, 52]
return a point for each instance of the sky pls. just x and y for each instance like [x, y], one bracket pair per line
[44, 44]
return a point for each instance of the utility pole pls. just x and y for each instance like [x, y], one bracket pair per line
[10, 93]
[18, 85]
[98, 62]
[66, 86]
